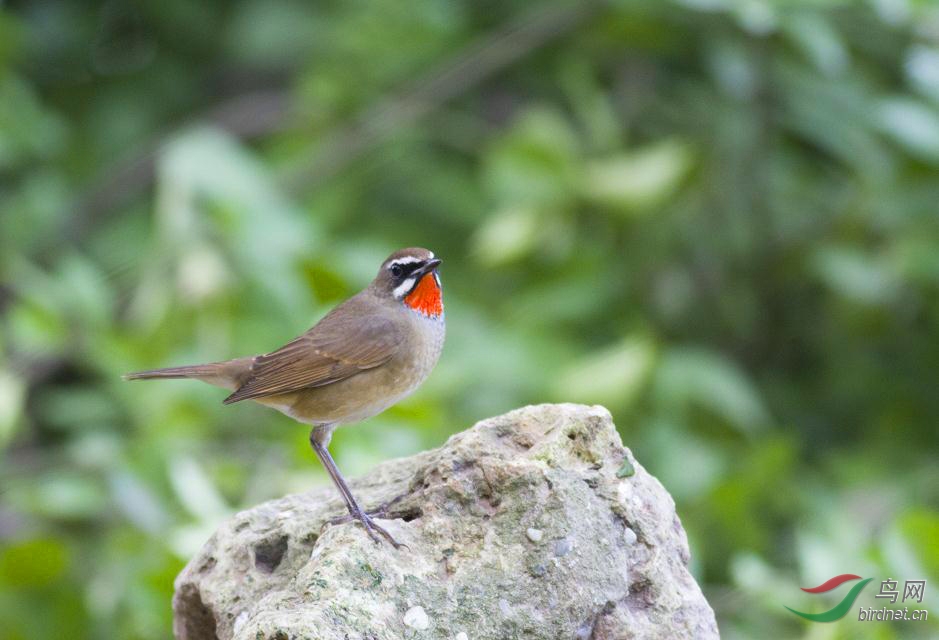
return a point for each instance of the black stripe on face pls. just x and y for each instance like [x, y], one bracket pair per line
[402, 269]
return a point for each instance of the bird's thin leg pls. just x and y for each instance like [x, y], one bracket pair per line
[355, 511]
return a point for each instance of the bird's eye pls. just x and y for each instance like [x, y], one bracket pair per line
[396, 270]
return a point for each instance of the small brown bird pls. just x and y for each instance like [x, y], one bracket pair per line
[364, 356]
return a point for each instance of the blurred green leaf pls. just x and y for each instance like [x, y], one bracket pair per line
[758, 17]
[535, 163]
[76, 408]
[37, 322]
[914, 125]
[508, 235]
[613, 376]
[922, 68]
[195, 489]
[27, 130]
[695, 378]
[33, 563]
[272, 33]
[62, 495]
[138, 502]
[12, 399]
[855, 275]
[820, 42]
[639, 180]
[921, 529]
[687, 463]
[262, 227]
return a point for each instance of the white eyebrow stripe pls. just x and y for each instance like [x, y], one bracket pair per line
[405, 260]
[402, 289]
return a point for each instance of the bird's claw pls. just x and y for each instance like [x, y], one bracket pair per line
[373, 529]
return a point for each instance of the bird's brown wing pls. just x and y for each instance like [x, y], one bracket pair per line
[350, 339]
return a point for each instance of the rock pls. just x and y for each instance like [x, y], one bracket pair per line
[609, 561]
[417, 618]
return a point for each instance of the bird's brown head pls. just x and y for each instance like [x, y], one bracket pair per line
[409, 276]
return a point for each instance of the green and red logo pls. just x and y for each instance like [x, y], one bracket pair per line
[840, 609]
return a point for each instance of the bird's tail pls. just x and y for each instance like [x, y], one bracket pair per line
[191, 371]
[229, 374]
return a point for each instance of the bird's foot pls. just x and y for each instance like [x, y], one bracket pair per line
[373, 529]
[381, 511]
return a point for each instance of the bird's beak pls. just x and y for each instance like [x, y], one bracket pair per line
[427, 267]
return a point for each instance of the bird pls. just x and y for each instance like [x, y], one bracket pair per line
[365, 355]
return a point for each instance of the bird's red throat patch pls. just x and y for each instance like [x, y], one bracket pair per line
[426, 297]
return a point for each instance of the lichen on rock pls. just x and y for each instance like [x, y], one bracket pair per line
[523, 526]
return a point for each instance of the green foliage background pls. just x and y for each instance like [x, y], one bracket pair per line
[719, 218]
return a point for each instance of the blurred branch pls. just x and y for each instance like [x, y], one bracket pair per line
[477, 62]
[246, 116]
[257, 114]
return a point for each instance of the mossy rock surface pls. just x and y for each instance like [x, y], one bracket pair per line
[523, 526]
